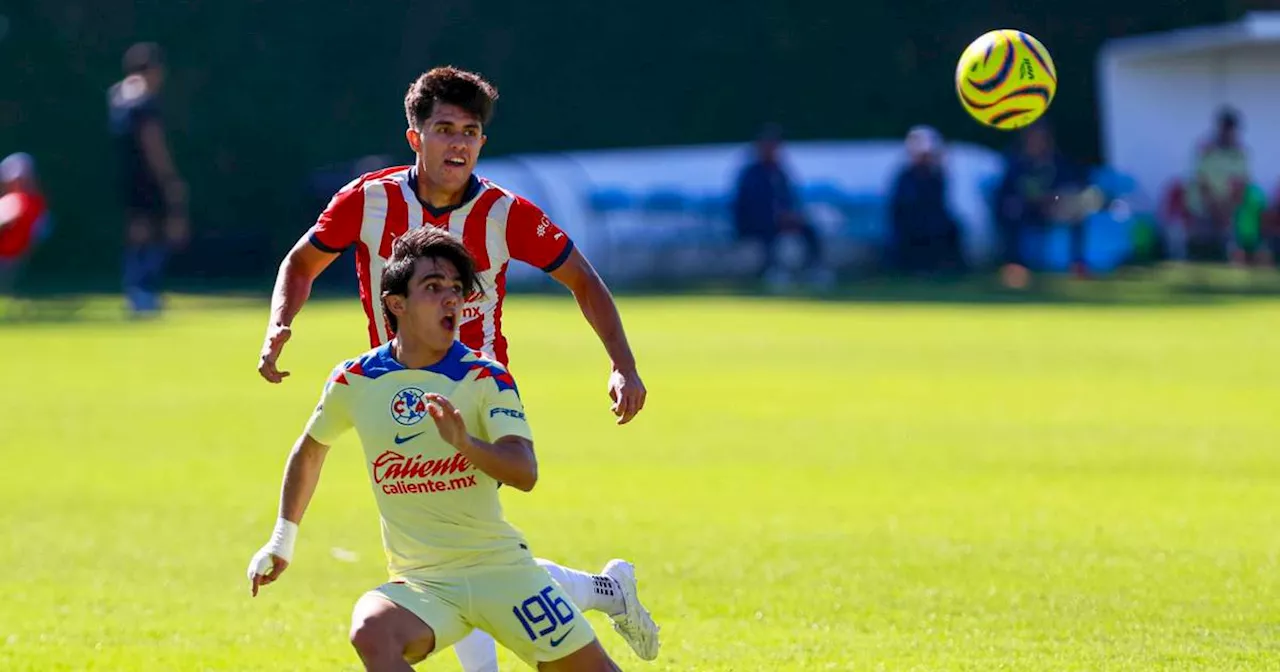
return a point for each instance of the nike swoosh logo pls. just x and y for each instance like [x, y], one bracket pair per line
[407, 438]
[556, 641]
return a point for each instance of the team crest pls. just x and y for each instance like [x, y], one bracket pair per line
[408, 406]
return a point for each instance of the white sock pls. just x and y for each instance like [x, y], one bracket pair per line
[477, 652]
[590, 592]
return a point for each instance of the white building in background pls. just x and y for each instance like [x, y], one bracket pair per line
[1158, 95]
[635, 241]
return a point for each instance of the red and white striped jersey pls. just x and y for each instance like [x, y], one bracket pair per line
[496, 226]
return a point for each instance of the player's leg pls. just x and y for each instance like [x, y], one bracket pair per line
[137, 237]
[593, 657]
[614, 592]
[477, 652]
[590, 658]
[176, 234]
[590, 592]
[385, 634]
[528, 613]
[144, 257]
[399, 624]
[155, 259]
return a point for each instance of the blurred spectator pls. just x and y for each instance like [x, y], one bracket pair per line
[23, 216]
[1039, 190]
[1218, 220]
[153, 192]
[925, 236]
[765, 211]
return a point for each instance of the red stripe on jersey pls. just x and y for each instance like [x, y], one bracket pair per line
[472, 333]
[499, 341]
[476, 229]
[362, 270]
[397, 223]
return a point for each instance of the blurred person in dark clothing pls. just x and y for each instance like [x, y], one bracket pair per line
[23, 216]
[765, 208]
[925, 236]
[1031, 197]
[153, 193]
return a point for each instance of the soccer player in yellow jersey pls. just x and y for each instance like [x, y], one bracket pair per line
[441, 426]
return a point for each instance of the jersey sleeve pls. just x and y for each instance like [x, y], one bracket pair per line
[501, 411]
[338, 227]
[534, 239]
[332, 417]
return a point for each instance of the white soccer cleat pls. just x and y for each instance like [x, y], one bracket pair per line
[634, 623]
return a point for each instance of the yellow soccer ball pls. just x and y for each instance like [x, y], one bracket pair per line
[1006, 79]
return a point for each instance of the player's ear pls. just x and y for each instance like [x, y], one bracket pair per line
[414, 138]
[394, 304]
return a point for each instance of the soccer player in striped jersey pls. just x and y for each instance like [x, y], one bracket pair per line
[447, 110]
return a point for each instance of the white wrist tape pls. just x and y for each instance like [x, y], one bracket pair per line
[282, 540]
[280, 545]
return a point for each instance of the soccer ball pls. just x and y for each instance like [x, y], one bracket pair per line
[1006, 79]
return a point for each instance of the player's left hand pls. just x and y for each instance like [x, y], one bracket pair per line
[449, 422]
[277, 336]
[628, 394]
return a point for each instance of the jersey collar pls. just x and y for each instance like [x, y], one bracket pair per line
[450, 366]
[473, 190]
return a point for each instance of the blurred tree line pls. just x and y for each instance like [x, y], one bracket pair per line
[260, 94]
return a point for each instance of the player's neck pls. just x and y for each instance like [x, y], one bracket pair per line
[439, 197]
[416, 354]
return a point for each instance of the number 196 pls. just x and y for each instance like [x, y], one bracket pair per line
[541, 608]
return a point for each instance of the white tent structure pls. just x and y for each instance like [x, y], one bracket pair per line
[1158, 95]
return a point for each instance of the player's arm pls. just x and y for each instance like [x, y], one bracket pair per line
[297, 272]
[601, 312]
[534, 239]
[301, 474]
[337, 227]
[330, 420]
[508, 460]
[156, 151]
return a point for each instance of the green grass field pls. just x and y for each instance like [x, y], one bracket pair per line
[812, 486]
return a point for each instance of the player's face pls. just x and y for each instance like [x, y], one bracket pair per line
[434, 302]
[448, 146]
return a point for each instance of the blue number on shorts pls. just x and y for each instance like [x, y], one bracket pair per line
[556, 612]
[562, 610]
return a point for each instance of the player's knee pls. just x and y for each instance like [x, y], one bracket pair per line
[373, 637]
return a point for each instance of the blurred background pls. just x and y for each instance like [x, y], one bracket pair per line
[633, 137]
